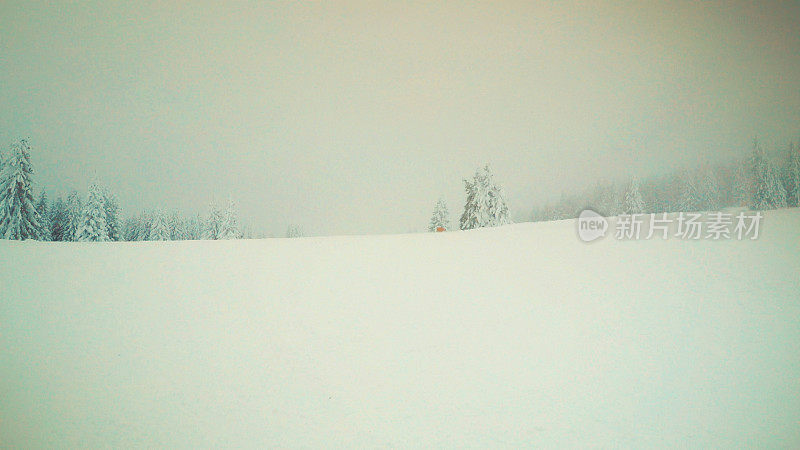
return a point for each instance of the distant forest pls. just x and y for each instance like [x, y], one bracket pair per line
[757, 182]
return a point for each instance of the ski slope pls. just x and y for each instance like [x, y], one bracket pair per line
[518, 336]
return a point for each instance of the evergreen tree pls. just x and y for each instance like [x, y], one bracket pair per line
[556, 212]
[74, 216]
[177, 228]
[609, 202]
[43, 209]
[690, 198]
[486, 205]
[213, 224]
[19, 218]
[740, 187]
[294, 231]
[137, 228]
[112, 216]
[58, 220]
[776, 188]
[194, 228]
[633, 198]
[710, 194]
[146, 223]
[793, 176]
[767, 190]
[229, 228]
[132, 229]
[159, 227]
[441, 217]
[93, 226]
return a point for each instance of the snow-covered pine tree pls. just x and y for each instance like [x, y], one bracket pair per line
[177, 228]
[43, 208]
[485, 205]
[93, 226]
[672, 191]
[131, 229]
[557, 212]
[74, 216]
[146, 223]
[610, 201]
[194, 228]
[760, 196]
[294, 231]
[19, 218]
[776, 187]
[710, 194]
[159, 227]
[740, 186]
[112, 216]
[633, 198]
[137, 228]
[690, 198]
[229, 228]
[441, 216]
[793, 176]
[213, 224]
[767, 190]
[58, 220]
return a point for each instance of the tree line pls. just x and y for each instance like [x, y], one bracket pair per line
[97, 217]
[756, 182]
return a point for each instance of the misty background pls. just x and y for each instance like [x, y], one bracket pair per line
[355, 117]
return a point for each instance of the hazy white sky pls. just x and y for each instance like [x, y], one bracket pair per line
[350, 117]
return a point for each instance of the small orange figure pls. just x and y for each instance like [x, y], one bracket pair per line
[439, 229]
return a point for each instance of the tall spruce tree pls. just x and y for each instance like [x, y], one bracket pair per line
[793, 176]
[146, 223]
[710, 193]
[194, 228]
[112, 216]
[93, 226]
[767, 190]
[294, 231]
[609, 202]
[19, 218]
[177, 227]
[132, 229]
[74, 216]
[486, 205]
[58, 220]
[740, 186]
[230, 227]
[43, 208]
[633, 198]
[159, 227]
[213, 224]
[778, 191]
[441, 217]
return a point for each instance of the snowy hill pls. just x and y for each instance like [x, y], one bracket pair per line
[514, 336]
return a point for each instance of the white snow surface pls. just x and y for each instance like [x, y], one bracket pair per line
[517, 336]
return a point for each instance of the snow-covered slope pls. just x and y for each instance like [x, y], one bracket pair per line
[508, 337]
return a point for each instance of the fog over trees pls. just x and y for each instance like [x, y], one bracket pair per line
[758, 181]
[761, 181]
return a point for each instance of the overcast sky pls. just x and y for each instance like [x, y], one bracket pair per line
[355, 117]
